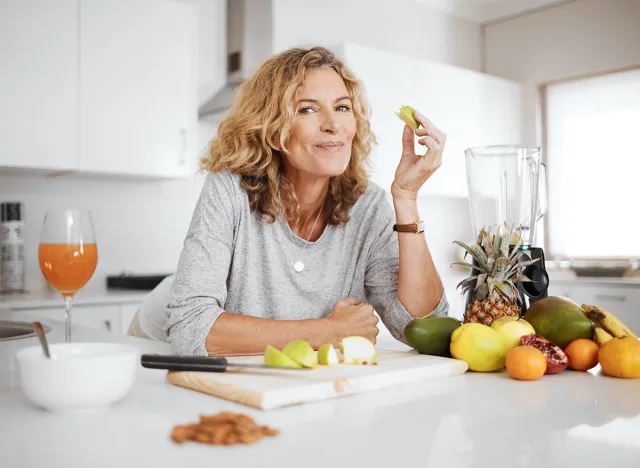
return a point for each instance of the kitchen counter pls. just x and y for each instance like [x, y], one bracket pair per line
[473, 420]
[52, 298]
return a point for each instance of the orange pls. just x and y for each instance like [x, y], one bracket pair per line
[526, 363]
[620, 357]
[583, 354]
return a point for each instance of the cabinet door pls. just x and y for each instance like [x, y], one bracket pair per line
[39, 83]
[499, 113]
[138, 102]
[103, 317]
[127, 312]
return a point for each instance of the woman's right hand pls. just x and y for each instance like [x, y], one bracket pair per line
[350, 317]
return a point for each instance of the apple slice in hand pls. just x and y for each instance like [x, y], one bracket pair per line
[406, 115]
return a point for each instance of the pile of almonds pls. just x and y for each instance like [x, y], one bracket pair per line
[224, 428]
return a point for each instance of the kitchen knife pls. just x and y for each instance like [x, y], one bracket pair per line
[197, 363]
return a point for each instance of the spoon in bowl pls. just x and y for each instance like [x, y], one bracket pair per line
[37, 326]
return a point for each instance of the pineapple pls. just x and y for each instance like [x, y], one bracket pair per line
[497, 270]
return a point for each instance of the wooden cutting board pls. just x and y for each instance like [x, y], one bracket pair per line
[274, 388]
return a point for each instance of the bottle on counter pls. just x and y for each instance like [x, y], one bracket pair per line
[12, 261]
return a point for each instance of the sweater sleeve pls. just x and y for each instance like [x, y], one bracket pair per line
[381, 276]
[199, 290]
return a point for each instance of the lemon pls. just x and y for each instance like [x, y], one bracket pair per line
[273, 357]
[480, 346]
[406, 115]
[512, 329]
[301, 352]
[327, 355]
[358, 350]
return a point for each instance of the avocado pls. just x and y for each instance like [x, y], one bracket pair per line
[431, 335]
[559, 320]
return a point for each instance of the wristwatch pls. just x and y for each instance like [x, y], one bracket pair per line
[415, 228]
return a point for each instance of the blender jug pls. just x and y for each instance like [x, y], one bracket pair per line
[505, 186]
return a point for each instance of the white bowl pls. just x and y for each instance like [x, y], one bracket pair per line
[79, 375]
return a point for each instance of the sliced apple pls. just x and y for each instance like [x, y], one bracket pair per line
[273, 357]
[301, 352]
[358, 350]
[406, 115]
[327, 355]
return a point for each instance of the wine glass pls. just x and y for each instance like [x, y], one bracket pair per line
[68, 254]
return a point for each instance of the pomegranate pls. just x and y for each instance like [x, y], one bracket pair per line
[557, 360]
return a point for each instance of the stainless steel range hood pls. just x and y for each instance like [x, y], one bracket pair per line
[216, 107]
[249, 44]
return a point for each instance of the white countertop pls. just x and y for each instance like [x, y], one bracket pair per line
[474, 420]
[52, 298]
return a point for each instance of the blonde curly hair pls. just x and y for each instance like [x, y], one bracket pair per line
[260, 121]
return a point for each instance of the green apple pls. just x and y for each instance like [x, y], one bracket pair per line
[358, 350]
[327, 355]
[512, 329]
[273, 357]
[301, 352]
[406, 115]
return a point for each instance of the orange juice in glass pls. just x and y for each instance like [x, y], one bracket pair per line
[68, 254]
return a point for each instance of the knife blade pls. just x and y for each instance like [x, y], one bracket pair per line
[197, 363]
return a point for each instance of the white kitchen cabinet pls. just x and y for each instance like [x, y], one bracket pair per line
[113, 316]
[127, 312]
[104, 316]
[38, 83]
[106, 87]
[138, 108]
[472, 108]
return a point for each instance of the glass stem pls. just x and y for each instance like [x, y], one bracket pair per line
[67, 316]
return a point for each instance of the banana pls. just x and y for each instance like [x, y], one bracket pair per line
[606, 320]
[601, 336]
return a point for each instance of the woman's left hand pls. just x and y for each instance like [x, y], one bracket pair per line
[413, 169]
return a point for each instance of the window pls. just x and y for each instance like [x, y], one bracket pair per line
[592, 151]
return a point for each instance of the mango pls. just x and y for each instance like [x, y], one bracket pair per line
[559, 320]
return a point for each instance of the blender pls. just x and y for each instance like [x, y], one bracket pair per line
[507, 186]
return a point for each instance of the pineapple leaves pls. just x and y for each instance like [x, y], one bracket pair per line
[481, 280]
[497, 265]
[469, 265]
[476, 252]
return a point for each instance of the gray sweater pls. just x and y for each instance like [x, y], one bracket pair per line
[234, 261]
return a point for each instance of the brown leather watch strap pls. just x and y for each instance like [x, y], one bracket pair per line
[415, 228]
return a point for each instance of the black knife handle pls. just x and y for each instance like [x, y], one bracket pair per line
[184, 363]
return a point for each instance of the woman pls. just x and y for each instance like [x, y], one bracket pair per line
[289, 240]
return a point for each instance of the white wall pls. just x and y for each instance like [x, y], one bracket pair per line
[403, 26]
[577, 38]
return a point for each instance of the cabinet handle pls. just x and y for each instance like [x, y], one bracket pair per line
[183, 146]
[107, 325]
[611, 297]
